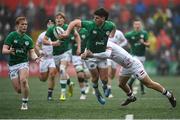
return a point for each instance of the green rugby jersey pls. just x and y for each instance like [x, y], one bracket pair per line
[98, 35]
[22, 44]
[133, 38]
[83, 33]
[57, 50]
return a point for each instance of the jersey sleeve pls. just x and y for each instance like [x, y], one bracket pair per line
[86, 24]
[49, 32]
[113, 25]
[40, 38]
[8, 40]
[145, 36]
[31, 45]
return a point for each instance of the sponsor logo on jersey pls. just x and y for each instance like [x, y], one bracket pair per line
[133, 37]
[107, 33]
[99, 43]
[72, 38]
[83, 36]
[27, 43]
[15, 41]
[94, 32]
[141, 36]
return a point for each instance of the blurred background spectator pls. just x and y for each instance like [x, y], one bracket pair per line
[161, 18]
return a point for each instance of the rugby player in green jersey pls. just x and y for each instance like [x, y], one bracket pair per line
[18, 45]
[82, 71]
[138, 41]
[61, 51]
[99, 29]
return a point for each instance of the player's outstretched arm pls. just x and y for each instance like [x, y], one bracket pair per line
[74, 23]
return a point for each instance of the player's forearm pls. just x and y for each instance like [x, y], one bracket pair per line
[78, 41]
[103, 55]
[73, 24]
[33, 55]
[6, 50]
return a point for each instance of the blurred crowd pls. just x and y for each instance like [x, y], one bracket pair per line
[162, 23]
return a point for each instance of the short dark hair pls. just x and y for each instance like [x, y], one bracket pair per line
[47, 20]
[18, 19]
[137, 19]
[102, 13]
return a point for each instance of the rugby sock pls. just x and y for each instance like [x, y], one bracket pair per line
[166, 93]
[50, 91]
[68, 81]
[63, 84]
[95, 86]
[25, 100]
[109, 86]
[130, 94]
[83, 90]
[104, 84]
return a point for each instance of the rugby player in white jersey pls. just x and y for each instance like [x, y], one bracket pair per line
[47, 66]
[131, 66]
[121, 41]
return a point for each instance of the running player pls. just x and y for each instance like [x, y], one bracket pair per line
[18, 45]
[47, 66]
[60, 50]
[138, 40]
[80, 65]
[99, 29]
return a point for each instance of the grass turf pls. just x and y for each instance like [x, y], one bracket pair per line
[152, 105]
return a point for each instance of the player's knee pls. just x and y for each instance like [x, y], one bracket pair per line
[18, 90]
[52, 74]
[81, 80]
[23, 80]
[121, 84]
[80, 75]
[62, 70]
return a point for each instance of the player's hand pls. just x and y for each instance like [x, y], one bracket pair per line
[89, 53]
[83, 56]
[41, 53]
[63, 35]
[12, 51]
[141, 41]
[38, 60]
[56, 43]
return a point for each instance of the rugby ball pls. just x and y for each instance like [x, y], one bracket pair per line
[58, 31]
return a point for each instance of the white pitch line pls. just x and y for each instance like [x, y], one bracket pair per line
[129, 117]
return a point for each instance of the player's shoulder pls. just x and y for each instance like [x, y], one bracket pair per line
[27, 37]
[119, 32]
[13, 33]
[129, 33]
[144, 32]
[108, 22]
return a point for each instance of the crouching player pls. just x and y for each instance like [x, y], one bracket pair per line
[131, 66]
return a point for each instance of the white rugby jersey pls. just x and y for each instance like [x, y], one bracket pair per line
[117, 54]
[119, 39]
[47, 49]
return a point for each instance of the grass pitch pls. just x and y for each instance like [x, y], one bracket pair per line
[152, 105]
